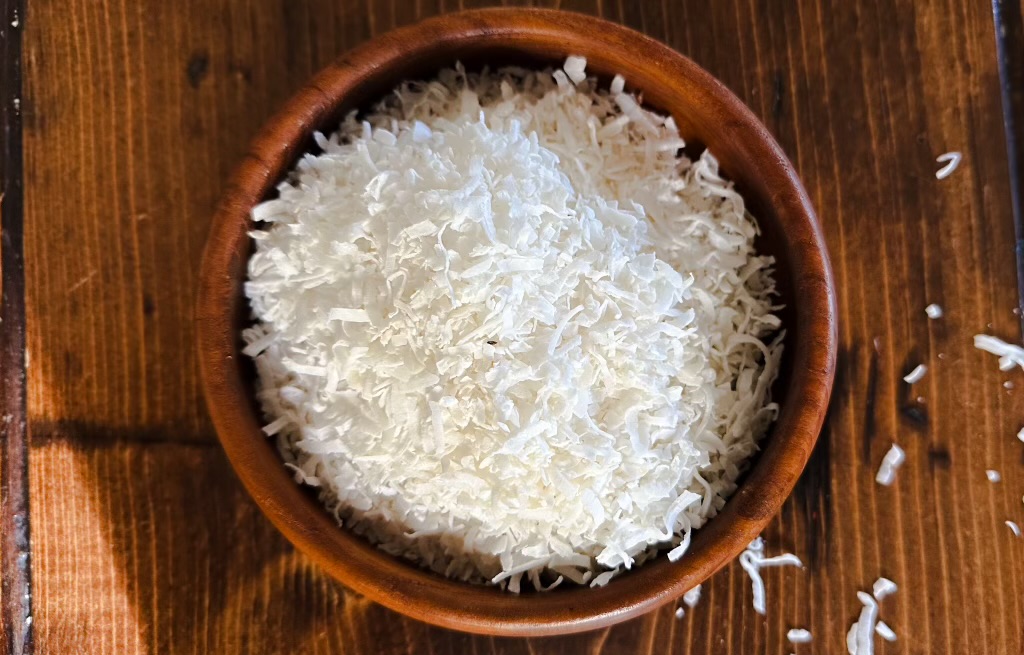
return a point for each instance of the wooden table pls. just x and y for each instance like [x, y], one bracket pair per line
[121, 121]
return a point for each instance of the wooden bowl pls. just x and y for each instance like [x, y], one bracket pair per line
[707, 115]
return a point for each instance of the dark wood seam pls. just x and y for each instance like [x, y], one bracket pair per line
[1009, 30]
[15, 548]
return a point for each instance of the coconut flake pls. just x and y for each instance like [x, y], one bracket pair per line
[915, 375]
[1009, 354]
[752, 561]
[883, 587]
[954, 160]
[1014, 528]
[933, 311]
[276, 426]
[993, 476]
[618, 85]
[892, 460]
[799, 636]
[692, 597]
[884, 631]
[575, 67]
[348, 314]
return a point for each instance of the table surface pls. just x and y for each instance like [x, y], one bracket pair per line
[121, 122]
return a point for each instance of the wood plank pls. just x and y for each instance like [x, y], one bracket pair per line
[153, 548]
[151, 104]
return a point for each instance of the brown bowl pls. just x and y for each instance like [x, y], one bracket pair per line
[707, 115]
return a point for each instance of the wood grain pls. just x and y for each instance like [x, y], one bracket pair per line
[143, 542]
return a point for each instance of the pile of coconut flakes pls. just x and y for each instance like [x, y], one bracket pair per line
[510, 331]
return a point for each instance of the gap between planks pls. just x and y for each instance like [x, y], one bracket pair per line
[15, 550]
[1009, 28]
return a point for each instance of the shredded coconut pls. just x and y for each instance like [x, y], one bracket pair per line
[799, 636]
[680, 612]
[1014, 528]
[953, 159]
[916, 374]
[933, 311]
[993, 476]
[860, 637]
[752, 560]
[892, 460]
[1020, 434]
[575, 68]
[692, 597]
[883, 587]
[884, 631]
[1009, 354]
[618, 85]
[510, 330]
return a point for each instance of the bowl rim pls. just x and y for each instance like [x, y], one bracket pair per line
[397, 584]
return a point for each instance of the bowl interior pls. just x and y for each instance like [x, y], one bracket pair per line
[708, 116]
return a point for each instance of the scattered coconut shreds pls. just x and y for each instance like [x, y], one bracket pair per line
[1014, 528]
[692, 597]
[1008, 384]
[752, 561]
[953, 159]
[892, 460]
[993, 476]
[1009, 354]
[1020, 434]
[513, 333]
[859, 639]
[933, 311]
[680, 612]
[884, 631]
[915, 375]
[883, 587]
[798, 636]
